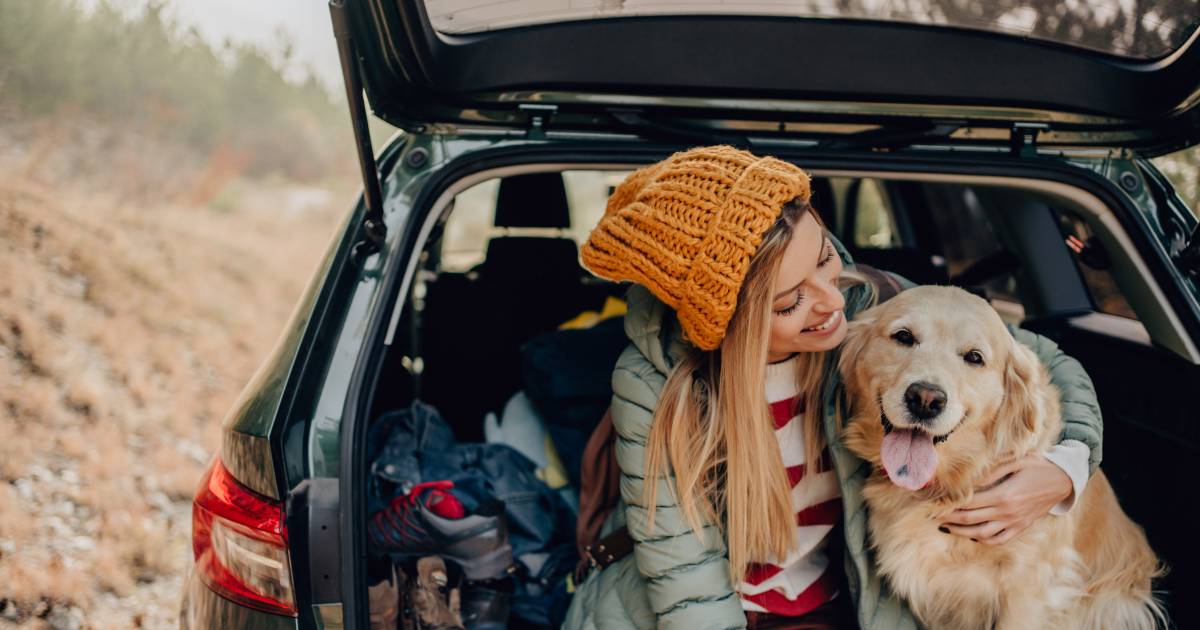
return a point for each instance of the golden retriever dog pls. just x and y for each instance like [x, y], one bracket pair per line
[939, 394]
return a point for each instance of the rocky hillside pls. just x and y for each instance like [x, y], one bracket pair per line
[135, 302]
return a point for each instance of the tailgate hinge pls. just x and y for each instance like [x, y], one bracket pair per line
[539, 115]
[1023, 138]
[374, 228]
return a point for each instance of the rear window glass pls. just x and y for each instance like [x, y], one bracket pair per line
[1094, 264]
[1148, 29]
[1182, 168]
[874, 220]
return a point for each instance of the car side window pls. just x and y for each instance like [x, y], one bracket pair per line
[973, 252]
[464, 240]
[1182, 169]
[1094, 265]
[874, 219]
[588, 193]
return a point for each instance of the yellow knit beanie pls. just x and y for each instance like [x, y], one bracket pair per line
[686, 228]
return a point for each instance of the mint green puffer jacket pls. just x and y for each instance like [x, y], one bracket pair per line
[677, 580]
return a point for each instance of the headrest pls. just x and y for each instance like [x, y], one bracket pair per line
[533, 200]
[533, 255]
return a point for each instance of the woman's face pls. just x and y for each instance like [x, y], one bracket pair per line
[807, 310]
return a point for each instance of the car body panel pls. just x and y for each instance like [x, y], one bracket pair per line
[204, 609]
[247, 428]
[401, 185]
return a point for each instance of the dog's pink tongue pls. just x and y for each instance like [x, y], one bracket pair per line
[909, 458]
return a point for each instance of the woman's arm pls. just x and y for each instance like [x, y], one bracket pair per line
[687, 578]
[1039, 484]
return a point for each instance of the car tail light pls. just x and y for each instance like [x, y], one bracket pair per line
[240, 544]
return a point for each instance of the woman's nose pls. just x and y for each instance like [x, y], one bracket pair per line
[829, 298]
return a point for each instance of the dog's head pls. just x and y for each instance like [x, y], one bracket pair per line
[940, 388]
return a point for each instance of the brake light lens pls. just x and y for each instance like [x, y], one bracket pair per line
[240, 544]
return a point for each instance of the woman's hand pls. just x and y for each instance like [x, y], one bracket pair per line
[1015, 494]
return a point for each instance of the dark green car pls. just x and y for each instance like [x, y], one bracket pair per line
[1005, 147]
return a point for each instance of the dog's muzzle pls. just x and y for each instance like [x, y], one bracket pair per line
[888, 427]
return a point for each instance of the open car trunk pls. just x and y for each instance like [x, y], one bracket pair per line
[494, 334]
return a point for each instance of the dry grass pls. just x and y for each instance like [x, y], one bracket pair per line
[127, 328]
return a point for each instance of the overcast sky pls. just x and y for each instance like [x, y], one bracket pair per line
[306, 23]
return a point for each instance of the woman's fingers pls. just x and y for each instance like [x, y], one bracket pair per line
[1012, 497]
[1004, 535]
[975, 516]
[978, 532]
[994, 497]
[992, 490]
[1001, 471]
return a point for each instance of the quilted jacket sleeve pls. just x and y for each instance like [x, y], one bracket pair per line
[1080, 409]
[687, 577]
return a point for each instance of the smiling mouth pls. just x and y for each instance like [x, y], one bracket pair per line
[829, 322]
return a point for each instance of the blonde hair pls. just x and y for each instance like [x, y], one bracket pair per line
[713, 424]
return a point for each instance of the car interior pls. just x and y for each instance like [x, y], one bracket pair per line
[501, 266]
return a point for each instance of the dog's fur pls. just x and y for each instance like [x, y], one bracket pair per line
[1090, 568]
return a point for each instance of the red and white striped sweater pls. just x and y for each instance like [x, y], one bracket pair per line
[805, 579]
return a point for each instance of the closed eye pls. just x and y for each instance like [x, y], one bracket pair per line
[829, 253]
[825, 260]
[789, 310]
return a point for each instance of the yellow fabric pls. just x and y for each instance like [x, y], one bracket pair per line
[555, 473]
[686, 228]
[612, 308]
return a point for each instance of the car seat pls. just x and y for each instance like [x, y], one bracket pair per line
[529, 282]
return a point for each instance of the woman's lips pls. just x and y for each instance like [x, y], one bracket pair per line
[824, 328]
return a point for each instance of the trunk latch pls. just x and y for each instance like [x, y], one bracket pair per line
[1023, 140]
[539, 115]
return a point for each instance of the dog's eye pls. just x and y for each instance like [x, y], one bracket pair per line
[904, 338]
[973, 357]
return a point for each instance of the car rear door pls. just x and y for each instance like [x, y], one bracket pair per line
[853, 72]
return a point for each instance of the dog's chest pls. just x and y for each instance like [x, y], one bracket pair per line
[950, 581]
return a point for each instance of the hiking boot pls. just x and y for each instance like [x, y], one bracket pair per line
[430, 600]
[426, 520]
[485, 605]
[383, 601]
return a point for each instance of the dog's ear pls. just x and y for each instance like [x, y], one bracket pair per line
[1023, 412]
[858, 336]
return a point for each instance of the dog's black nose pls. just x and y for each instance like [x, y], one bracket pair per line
[924, 401]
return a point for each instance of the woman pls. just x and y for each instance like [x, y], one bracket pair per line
[736, 295]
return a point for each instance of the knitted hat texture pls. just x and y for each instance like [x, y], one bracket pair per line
[687, 227]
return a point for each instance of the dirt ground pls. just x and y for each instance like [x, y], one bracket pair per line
[129, 322]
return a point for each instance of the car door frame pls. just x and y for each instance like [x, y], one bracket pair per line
[401, 262]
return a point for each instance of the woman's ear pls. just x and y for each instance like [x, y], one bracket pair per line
[1023, 412]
